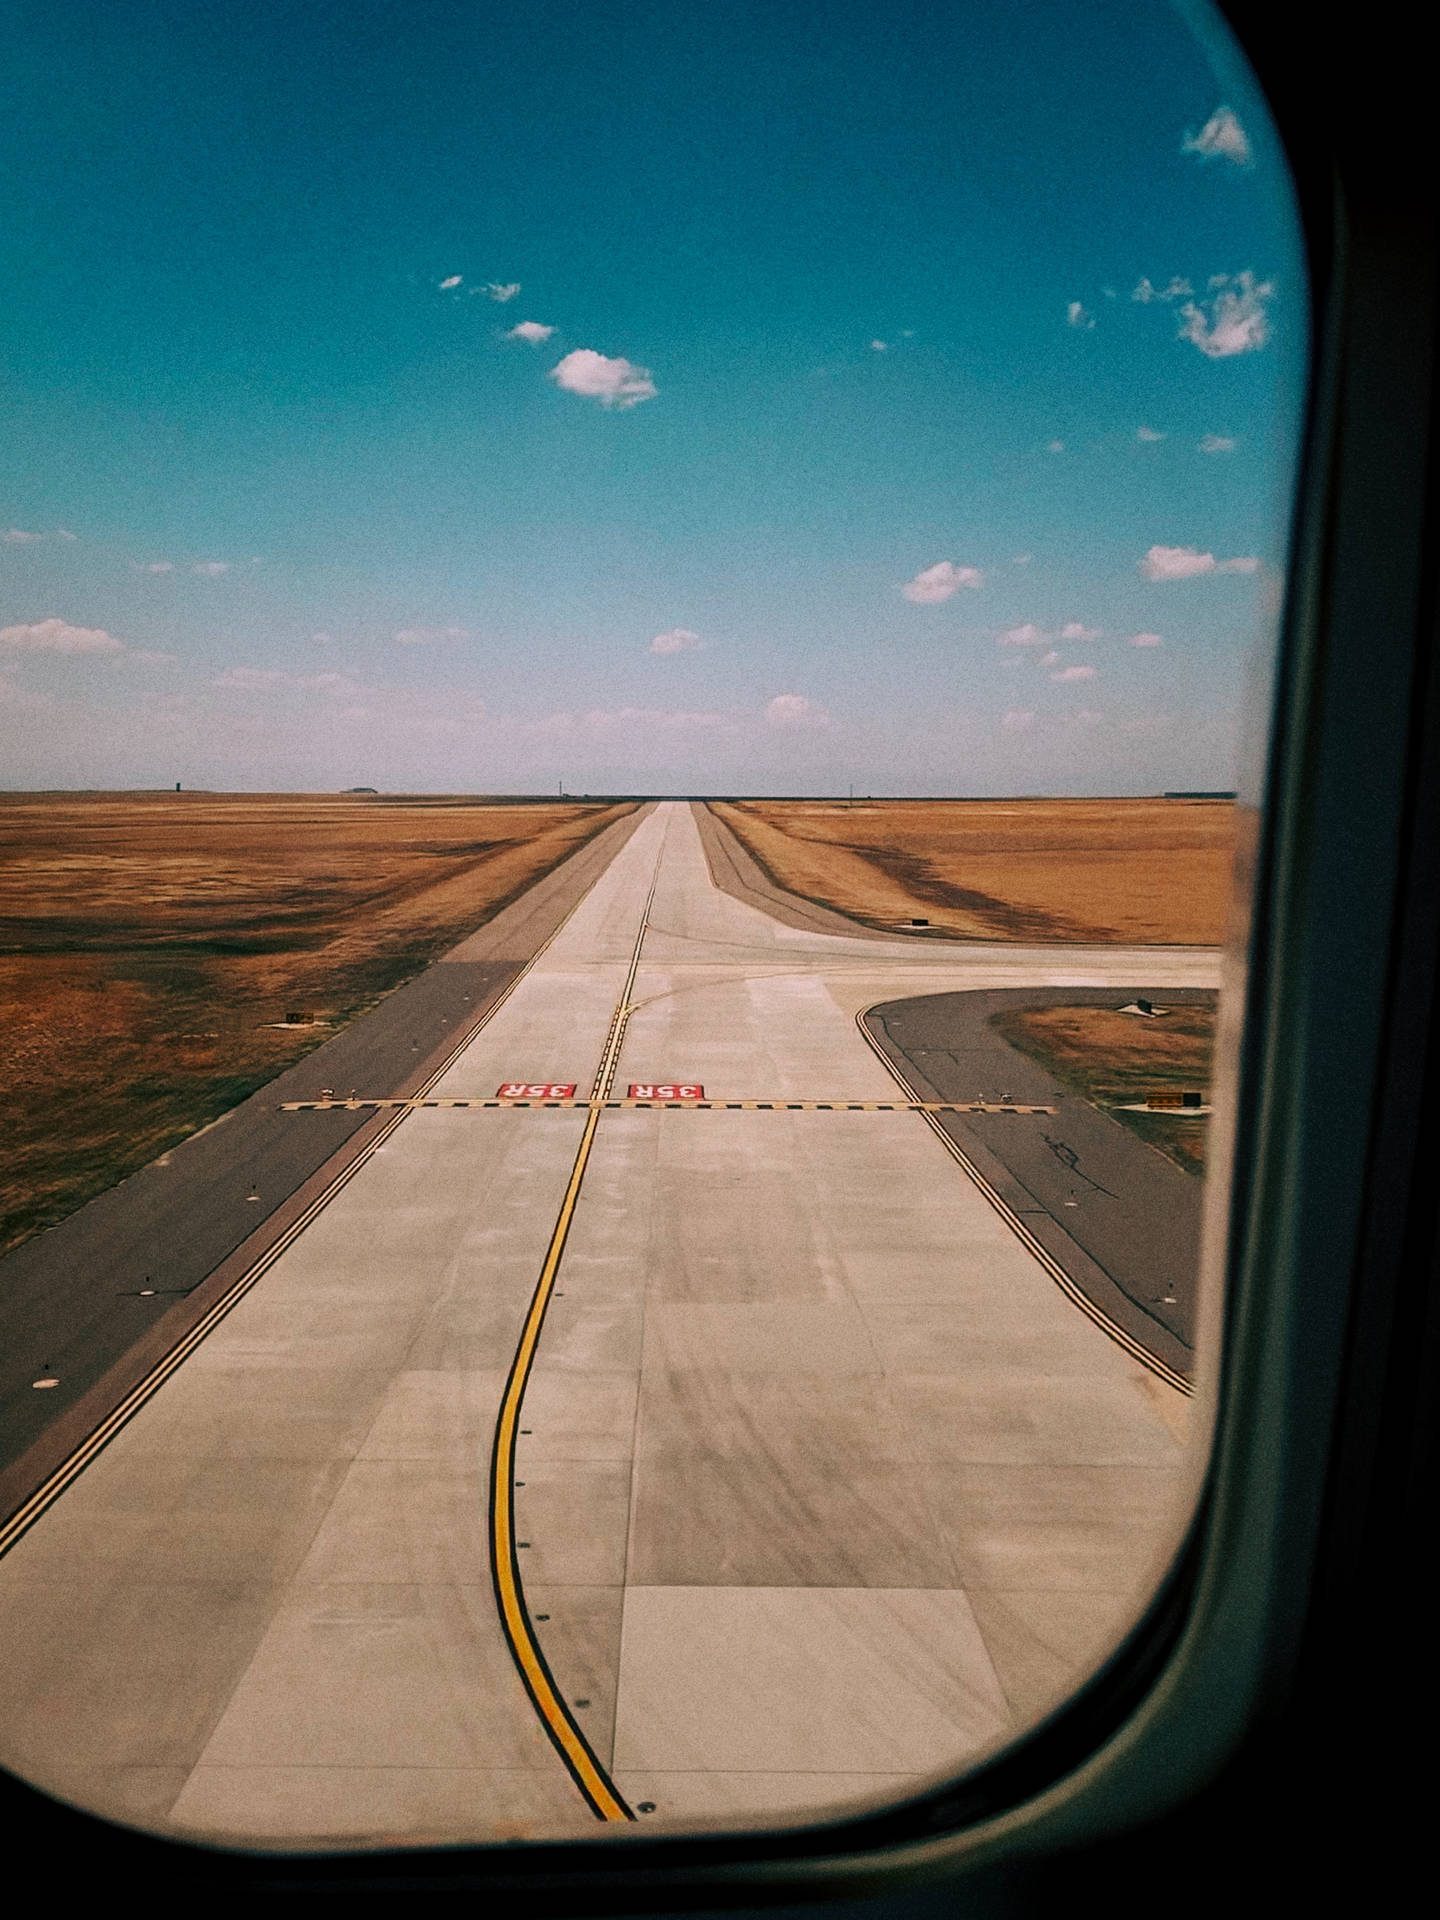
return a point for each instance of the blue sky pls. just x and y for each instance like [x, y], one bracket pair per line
[834, 446]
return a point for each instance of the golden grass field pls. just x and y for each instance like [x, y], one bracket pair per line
[1114, 1058]
[148, 940]
[1125, 872]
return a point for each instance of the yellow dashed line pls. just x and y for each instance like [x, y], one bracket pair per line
[684, 1106]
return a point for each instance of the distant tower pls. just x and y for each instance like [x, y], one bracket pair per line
[177, 786]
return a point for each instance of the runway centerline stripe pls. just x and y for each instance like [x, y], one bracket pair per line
[559, 1722]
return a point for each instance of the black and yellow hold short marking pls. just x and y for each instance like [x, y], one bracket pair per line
[683, 1106]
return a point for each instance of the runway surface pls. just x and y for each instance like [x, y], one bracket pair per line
[810, 1482]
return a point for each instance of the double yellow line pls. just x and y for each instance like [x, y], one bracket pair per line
[550, 1704]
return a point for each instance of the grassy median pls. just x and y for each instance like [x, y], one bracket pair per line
[164, 955]
[1116, 1060]
[1129, 872]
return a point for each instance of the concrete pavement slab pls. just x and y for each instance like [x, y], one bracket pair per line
[381, 1674]
[348, 1806]
[704, 1798]
[803, 1679]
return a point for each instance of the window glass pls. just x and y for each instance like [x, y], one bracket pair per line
[634, 648]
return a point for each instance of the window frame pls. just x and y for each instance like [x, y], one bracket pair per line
[1320, 1470]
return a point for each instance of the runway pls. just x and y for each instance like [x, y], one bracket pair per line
[588, 1463]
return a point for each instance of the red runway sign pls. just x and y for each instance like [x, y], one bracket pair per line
[670, 1090]
[536, 1090]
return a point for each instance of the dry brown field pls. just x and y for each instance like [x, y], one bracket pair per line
[1114, 1059]
[148, 942]
[1125, 872]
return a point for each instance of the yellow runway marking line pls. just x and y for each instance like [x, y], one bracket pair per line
[684, 1106]
[559, 1722]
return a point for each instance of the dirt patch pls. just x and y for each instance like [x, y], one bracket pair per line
[1114, 1059]
[1078, 872]
[162, 956]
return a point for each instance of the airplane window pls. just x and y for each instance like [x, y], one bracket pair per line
[635, 663]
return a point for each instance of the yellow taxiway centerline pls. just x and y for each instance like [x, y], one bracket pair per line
[554, 1711]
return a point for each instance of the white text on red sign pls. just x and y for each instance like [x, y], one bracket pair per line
[669, 1090]
[536, 1090]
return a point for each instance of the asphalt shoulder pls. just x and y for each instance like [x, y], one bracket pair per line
[1120, 1219]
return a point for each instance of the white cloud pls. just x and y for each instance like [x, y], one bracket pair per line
[262, 679]
[211, 569]
[531, 331]
[1027, 636]
[1076, 630]
[1055, 446]
[1022, 559]
[1074, 673]
[24, 699]
[879, 346]
[428, 636]
[1076, 316]
[153, 566]
[1086, 717]
[614, 383]
[643, 720]
[501, 290]
[1147, 435]
[1221, 138]
[58, 636]
[453, 281]
[18, 537]
[252, 678]
[1174, 289]
[794, 710]
[1186, 563]
[677, 640]
[1017, 720]
[1217, 443]
[933, 584]
[1146, 640]
[1051, 659]
[1234, 321]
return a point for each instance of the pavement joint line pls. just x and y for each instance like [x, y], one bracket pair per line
[1076, 1295]
[554, 1711]
[50, 1489]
